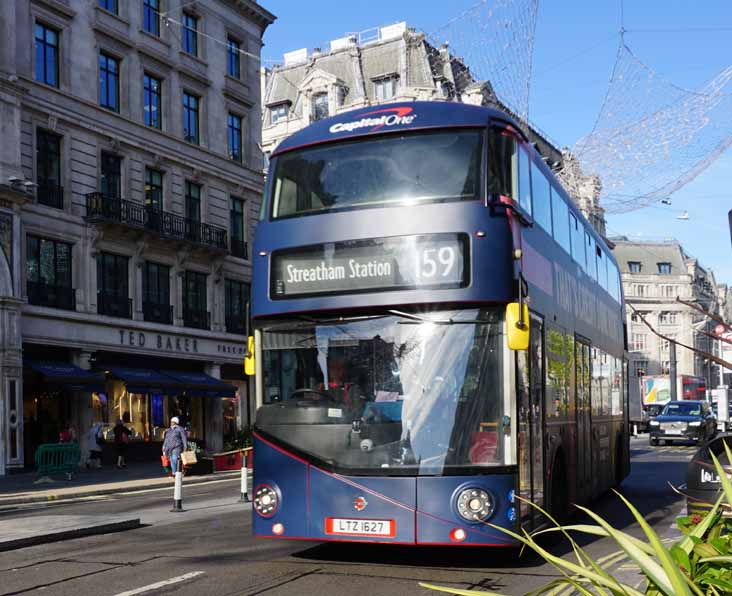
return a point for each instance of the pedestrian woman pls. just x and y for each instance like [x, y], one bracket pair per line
[121, 439]
[174, 443]
[94, 442]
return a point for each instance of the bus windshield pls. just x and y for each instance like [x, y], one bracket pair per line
[405, 169]
[388, 394]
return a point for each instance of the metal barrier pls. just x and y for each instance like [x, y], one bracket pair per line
[58, 457]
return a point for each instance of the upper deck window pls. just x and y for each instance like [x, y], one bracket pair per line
[406, 170]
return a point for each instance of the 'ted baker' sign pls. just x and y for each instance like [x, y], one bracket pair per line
[377, 264]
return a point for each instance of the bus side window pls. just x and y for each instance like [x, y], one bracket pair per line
[524, 180]
[601, 267]
[560, 219]
[590, 256]
[502, 165]
[612, 279]
[577, 240]
[542, 198]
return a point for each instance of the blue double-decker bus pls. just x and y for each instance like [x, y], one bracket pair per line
[437, 330]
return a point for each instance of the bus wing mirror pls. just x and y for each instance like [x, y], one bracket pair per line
[249, 364]
[517, 326]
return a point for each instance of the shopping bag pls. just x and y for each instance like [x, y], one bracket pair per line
[188, 458]
[165, 461]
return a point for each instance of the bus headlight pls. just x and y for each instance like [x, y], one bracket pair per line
[266, 500]
[475, 504]
[695, 423]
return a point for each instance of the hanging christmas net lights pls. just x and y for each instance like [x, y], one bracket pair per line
[651, 137]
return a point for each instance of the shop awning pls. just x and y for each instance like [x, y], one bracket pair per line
[145, 380]
[201, 384]
[64, 375]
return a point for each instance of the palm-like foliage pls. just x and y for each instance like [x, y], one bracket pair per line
[700, 564]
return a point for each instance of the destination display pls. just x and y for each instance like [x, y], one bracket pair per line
[376, 264]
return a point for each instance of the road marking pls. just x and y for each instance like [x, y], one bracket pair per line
[168, 582]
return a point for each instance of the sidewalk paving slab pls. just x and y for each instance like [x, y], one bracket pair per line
[30, 531]
[21, 489]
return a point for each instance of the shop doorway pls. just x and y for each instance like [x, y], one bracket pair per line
[44, 416]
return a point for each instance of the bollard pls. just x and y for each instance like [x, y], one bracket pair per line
[635, 430]
[178, 492]
[244, 478]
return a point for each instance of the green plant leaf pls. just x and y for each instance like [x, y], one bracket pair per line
[681, 557]
[599, 531]
[457, 591]
[717, 559]
[648, 565]
[677, 579]
[700, 530]
[726, 482]
[705, 550]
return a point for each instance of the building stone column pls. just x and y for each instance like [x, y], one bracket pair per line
[177, 290]
[214, 415]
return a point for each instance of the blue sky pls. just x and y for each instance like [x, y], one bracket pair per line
[576, 45]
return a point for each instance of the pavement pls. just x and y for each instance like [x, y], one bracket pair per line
[29, 531]
[24, 488]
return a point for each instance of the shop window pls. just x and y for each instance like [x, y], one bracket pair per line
[189, 410]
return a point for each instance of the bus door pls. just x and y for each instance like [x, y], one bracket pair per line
[584, 421]
[530, 390]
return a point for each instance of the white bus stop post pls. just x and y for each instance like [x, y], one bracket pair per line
[244, 478]
[178, 491]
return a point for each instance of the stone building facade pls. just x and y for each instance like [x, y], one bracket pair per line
[130, 182]
[385, 64]
[653, 275]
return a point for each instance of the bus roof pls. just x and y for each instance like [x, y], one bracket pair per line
[379, 119]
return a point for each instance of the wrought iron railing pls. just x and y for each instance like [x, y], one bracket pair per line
[114, 306]
[51, 195]
[42, 294]
[104, 208]
[154, 312]
[198, 319]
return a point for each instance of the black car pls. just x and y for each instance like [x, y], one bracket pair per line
[689, 420]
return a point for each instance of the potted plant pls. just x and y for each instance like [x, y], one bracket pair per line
[230, 457]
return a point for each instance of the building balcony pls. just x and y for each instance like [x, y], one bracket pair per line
[51, 195]
[198, 319]
[239, 248]
[114, 306]
[105, 209]
[157, 313]
[236, 324]
[41, 294]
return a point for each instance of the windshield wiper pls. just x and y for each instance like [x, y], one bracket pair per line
[422, 319]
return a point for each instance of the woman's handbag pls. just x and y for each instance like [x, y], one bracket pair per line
[188, 458]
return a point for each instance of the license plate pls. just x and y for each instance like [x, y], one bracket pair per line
[360, 527]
